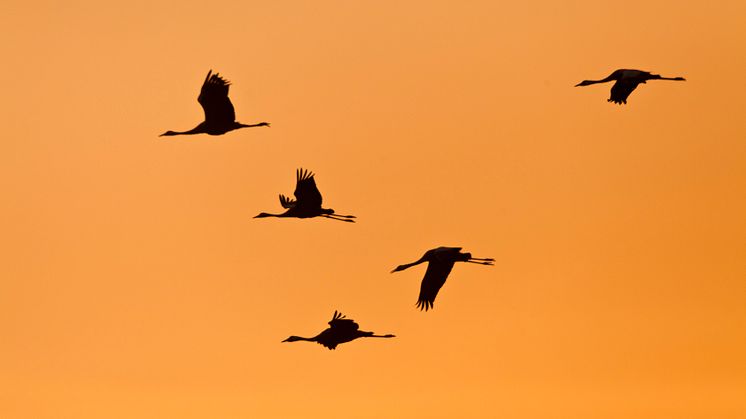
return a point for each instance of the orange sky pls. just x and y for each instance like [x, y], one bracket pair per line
[135, 284]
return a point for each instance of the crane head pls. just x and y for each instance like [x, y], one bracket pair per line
[400, 268]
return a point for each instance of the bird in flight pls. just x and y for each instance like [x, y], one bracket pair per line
[340, 330]
[440, 262]
[220, 117]
[307, 202]
[626, 83]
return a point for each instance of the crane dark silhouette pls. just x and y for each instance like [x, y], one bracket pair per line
[626, 83]
[307, 202]
[440, 262]
[220, 117]
[340, 330]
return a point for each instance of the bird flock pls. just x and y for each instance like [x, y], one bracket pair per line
[220, 118]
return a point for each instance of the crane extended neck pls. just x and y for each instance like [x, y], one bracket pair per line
[297, 338]
[265, 215]
[408, 265]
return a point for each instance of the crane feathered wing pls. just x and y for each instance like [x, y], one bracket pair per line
[327, 339]
[214, 100]
[621, 90]
[341, 323]
[339, 327]
[286, 202]
[435, 276]
[306, 193]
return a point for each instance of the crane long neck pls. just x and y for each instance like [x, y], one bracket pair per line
[196, 130]
[409, 265]
[297, 338]
[264, 215]
[607, 79]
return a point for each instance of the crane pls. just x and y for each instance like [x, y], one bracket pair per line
[220, 117]
[340, 330]
[440, 262]
[307, 202]
[626, 82]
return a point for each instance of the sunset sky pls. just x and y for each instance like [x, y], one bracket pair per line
[134, 282]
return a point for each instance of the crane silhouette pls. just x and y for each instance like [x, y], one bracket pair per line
[626, 83]
[440, 262]
[340, 330]
[307, 202]
[220, 117]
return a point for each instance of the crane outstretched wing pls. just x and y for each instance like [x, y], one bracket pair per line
[329, 344]
[286, 202]
[329, 338]
[214, 100]
[621, 90]
[306, 192]
[340, 323]
[435, 277]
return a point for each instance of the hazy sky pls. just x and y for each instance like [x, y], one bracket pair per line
[135, 284]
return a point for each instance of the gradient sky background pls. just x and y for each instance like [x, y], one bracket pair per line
[135, 284]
